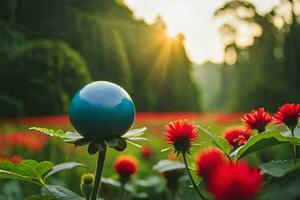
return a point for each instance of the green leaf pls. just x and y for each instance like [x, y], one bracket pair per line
[111, 182]
[36, 197]
[168, 165]
[218, 140]
[61, 193]
[286, 187]
[63, 166]
[279, 168]
[28, 170]
[261, 141]
[70, 137]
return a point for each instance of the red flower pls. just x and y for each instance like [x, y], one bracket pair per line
[288, 114]
[235, 182]
[146, 152]
[16, 159]
[181, 134]
[257, 119]
[237, 137]
[208, 160]
[13, 159]
[126, 166]
[28, 140]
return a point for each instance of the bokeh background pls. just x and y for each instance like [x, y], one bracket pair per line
[204, 61]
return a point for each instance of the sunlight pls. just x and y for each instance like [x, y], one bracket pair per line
[171, 32]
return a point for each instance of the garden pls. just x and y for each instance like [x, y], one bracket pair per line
[96, 102]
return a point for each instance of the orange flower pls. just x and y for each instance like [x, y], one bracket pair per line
[126, 166]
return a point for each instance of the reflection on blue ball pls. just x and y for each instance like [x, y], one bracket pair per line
[102, 111]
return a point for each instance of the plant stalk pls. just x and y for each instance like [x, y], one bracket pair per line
[191, 178]
[121, 191]
[98, 173]
[294, 146]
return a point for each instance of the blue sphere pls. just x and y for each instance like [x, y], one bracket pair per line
[101, 111]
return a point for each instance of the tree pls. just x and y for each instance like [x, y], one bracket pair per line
[43, 75]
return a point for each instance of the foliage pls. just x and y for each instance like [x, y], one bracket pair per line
[40, 76]
[32, 171]
[147, 184]
[115, 47]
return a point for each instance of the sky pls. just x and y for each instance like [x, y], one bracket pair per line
[193, 18]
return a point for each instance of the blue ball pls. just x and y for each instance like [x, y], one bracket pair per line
[101, 111]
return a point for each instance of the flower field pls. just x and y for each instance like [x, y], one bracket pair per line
[18, 143]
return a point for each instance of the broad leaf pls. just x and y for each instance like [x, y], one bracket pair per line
[279, 168]
[168, 165]
[218, 140]
[28, 170]
[261, 141]
[61, 193]
[286, 187]
[63, 166]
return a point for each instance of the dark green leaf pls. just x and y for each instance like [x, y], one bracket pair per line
[261, 141]
[28, 170]
[286, 187]
[63, 166]
[61, 193]
[36, 197]
[279, 168]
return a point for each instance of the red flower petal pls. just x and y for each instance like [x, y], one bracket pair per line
[208, 160]
[126, 165]
[237, 137]
[288, 114]
[257, 119]
[235, 182]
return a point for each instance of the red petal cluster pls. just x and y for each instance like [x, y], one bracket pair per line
[180, 130]
[208, 160]
[257, 119]
[237, 137]
[288, 114]
[235, 182]
[181, 134]
[126, 165]
[146, 152]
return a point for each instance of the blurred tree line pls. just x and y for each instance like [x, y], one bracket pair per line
[51, 48]
[264, 72]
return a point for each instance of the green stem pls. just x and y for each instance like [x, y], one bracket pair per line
[294, 147]
[173, 195]
[122, 191]
[87, 197]
[191, 177]
[100, 164]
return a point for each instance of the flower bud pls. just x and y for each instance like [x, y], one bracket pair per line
[86, 185]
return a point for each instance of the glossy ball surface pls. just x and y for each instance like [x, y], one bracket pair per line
[101, 111]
